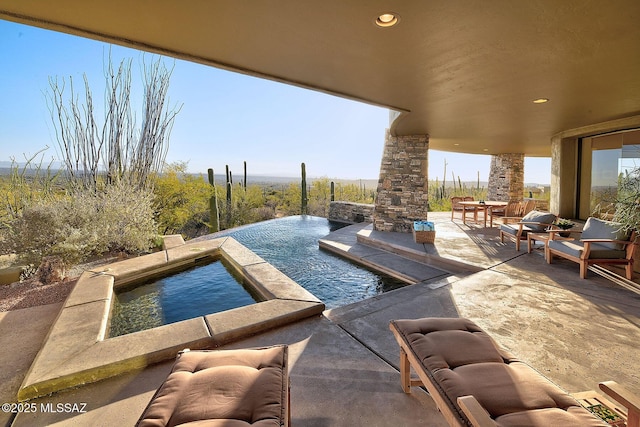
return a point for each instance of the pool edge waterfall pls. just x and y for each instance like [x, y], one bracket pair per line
[77, 350]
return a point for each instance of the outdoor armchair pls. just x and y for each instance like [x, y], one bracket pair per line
[516, 228]
[601, 242]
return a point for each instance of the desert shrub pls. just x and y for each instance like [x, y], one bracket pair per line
[25, 184]
[621, 204]
[248, 205]
[83, 224]
[181, 201]
[264, 213]
[32, 232]
[124, 218]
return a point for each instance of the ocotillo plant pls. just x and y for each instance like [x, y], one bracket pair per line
[304, 190]
[214, 221]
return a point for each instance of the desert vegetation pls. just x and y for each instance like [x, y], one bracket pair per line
[46, 213]
[115, 194]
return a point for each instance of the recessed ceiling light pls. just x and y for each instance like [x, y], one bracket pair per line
[540, 100]
[388, 19]
[485, 149]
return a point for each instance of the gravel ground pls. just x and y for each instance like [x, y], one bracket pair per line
[31, 293]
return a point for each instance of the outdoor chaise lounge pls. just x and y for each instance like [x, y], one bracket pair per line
[517, 228]
[475, 382]
[601, 242]
[247, 387]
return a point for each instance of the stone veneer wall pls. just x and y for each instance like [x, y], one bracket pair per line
[402, 187]
[506, 177]
[350, 212]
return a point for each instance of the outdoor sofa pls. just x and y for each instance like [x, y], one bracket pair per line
[474, 382]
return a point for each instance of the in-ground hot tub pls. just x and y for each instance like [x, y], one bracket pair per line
[208, 286]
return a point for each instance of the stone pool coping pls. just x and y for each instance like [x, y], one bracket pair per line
[77, 350]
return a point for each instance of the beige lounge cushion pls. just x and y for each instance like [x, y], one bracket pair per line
[458, 342]
[462, 359]
[574, 416]
[247, 387]
[503, 388]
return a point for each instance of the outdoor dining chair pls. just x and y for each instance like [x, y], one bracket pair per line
[513, 211]
[457, 207]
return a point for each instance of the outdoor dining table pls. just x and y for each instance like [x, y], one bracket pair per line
[477, 205]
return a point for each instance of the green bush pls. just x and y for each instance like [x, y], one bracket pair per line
[181, 201]
[83, 224]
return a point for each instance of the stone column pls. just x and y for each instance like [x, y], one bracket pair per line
[565, 180]
[506, 177]
[402, 187]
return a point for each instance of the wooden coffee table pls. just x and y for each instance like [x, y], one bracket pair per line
[544, 237]
[539, 237]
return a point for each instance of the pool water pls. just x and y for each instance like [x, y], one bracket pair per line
[291, 245]
[197, 291]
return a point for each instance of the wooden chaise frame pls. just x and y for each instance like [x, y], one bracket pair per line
[472, 408]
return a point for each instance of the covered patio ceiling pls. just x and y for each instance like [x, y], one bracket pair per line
[465, 72]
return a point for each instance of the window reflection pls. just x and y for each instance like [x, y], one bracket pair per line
[614, 157]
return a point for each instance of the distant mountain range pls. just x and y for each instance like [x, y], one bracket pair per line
[5, 169]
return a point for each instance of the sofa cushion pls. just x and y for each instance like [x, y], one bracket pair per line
[595, 228]
[544, 219]
[513, 229]
[246, 387]
[576, 247]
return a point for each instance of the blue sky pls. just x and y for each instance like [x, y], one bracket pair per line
[226, 118]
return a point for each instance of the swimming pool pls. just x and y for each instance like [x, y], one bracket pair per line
[291, 245]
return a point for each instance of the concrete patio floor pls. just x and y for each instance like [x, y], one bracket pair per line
[344, 363]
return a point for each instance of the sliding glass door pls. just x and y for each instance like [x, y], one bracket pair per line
[614, 158]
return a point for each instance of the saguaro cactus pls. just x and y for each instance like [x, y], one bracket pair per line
[245, 176]
[304, 190]
[229, 205]
[214, 221]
